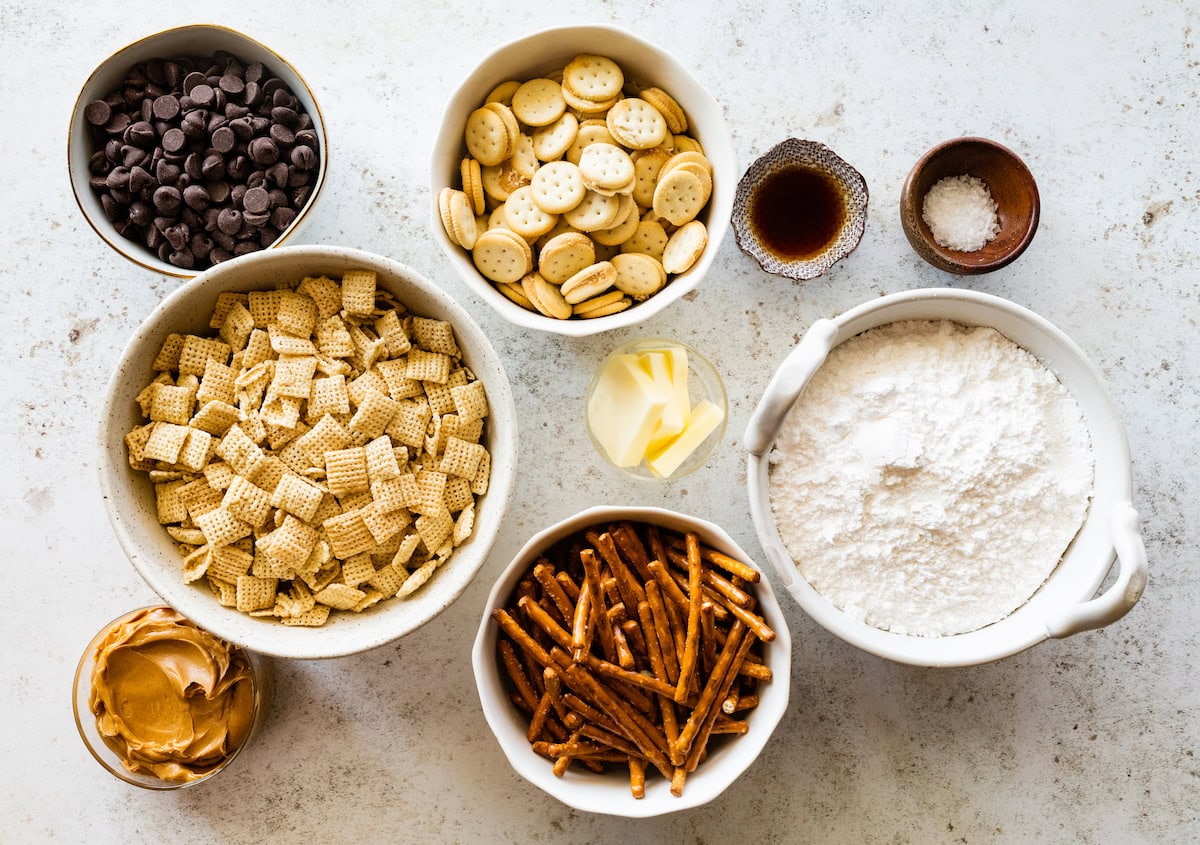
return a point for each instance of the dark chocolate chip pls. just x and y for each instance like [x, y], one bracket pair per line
[98, 164]
[191, 166]
[281, 135]
[307, 137]
[133, 156]
[167, 173]
[254, 72]
[256, 200]
[246, 247]
[256, 218]
[112, 209]
[260, 124]
[112, 150]
[141, 214]
[304, 157]
[164, 251]
[253, 95]
[284, 115]
[278, 174]
[256, 179]
[297, 177]
[192, 80]
[300, 196]
[97, 112]
[218, 255]
[213, 166]
[232, 84]
[166, 107]
[167, 199]
[117, 124]
[200, 245]
[118, 177]
[138, 179]
[241, 128]
[223, 240]
[218, 191]
[239, 168]
[174, 140]
[196, 197]
[141, 134]
[263, 151]
[202, 94]
[229, 221]
[235, 195]
[223, 139]
[182, 258]
[176, 235]
[272, 85]
[282, 217]
[234, 111]
[267, 235]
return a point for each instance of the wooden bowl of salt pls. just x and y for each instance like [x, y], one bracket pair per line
[969, 206]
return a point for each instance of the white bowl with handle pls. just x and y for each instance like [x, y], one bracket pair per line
[1064, 604]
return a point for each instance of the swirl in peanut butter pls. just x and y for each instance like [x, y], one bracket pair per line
[171, 700]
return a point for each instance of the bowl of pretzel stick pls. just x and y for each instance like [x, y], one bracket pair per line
[632, 661]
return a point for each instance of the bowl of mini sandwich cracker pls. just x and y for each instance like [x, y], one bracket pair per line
[582, 180]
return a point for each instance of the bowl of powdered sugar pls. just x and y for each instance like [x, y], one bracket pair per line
[939, 477]
[969, 206]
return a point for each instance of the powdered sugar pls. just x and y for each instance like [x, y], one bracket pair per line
[930, 477]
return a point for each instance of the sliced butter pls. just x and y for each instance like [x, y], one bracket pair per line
[705, 419]
[625, 409]
[663, 366]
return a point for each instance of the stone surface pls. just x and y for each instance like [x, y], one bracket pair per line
[1090, 739]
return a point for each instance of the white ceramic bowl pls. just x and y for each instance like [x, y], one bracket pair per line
[129, 497]
[609, 793]
[1063, 605]
[641, 61]
[194, 39]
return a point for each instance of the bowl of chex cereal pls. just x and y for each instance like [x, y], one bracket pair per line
[582, 180]
[308, 451]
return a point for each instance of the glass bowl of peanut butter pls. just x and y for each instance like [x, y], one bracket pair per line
[163, 704]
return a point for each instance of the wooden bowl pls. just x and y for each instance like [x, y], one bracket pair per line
[1013, 188]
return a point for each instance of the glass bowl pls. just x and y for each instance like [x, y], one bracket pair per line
[704, 383]
[262, 677]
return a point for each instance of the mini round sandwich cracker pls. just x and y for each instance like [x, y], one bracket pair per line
[680, 196]
[593, 77]
[646, 167]
[557, 187]
[499, 256]
[565, 255]
[685, 247]
[589, 282]
[595, 211]
[638, 275]
[514, 292]
[671, 111]
[588, 133]
[487, 137]
[472, 184]
[552, 141]
[621, 231]
[500, 180]
[462, 219]
[503, 93]
[648, 238]
[601, 301]
[524, 161]
[605, 167]
[615, 307]
[524, 216]
[538, 102]
[546, 298]
[583, 106]
[636, 124]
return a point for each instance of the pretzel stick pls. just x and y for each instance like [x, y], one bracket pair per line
[517, 675]
[599, 610]
[708, 696]
[582, 628]
[637, 777]
[538, 616]
[628, 691]
[730, 704]
[751, 620]
[538, 721]
[587, 711]
[666, 707]
[553, 684]
[712, 581]
[624, 655]
[623, 715]
[520, 637]
[756, 670]
[701, 741]
[607, 738]
[678, 619]
[611, 594]
[746, 702]
[617, 614]
[544, 573]
[568, 585]
[731, 565]
[725, 725]
[662, 630]
[666, 582]
[677, 779]
[708, 637]
[633, 636]
[654, 537]
[612, 670]
[631, 590]
[687, 665]
[631, 547]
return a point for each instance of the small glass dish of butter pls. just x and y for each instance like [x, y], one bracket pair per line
[163, 704]
[655, 409]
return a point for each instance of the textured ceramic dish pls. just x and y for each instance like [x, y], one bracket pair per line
[1063, 605]
[263, 674]
[810, 155]
[609, 793]
[197, 39]
[704, 383]
[129, 498]
[641, 61]
[1018, 205]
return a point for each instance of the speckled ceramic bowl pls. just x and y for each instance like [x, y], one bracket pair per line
[194, 39]
[1064, 603]
[609, 792]
[129, 496]
[812, 156]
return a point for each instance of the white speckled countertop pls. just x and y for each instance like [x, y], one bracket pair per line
[1088, 739]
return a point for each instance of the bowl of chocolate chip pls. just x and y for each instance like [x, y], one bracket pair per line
[193, 146]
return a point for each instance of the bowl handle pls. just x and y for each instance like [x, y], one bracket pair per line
[1120, 598]
[791, 377]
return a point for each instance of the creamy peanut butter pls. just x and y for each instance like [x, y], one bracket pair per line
[171, 700]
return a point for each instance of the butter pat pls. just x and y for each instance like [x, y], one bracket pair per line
[705, 418]
[667, 367]
[625, 409]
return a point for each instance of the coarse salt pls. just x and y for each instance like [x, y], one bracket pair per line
[961, 213]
